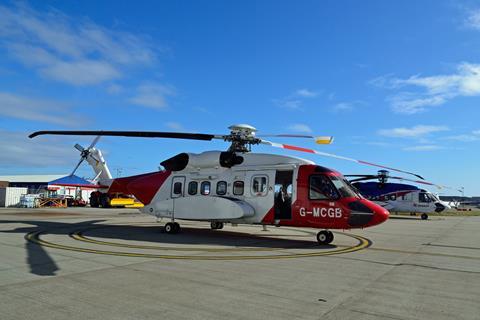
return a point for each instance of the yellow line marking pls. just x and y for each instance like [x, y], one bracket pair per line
[35, 238]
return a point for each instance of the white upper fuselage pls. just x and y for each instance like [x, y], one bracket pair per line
[204, 173]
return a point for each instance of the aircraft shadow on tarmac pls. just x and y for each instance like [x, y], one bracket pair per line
[42, 264]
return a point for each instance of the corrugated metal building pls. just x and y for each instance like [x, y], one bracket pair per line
[32, 182]
[10, 197]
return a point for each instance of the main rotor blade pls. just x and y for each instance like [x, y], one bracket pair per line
[94, 142]
[362, 178]
[300, 149]
[140, 134]
[419, 181]
[318, 139]
[76, 167]
[360, 175]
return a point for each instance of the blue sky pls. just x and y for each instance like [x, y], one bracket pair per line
[396, 83]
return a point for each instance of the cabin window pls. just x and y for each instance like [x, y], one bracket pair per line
[259, 186]
[321, 188]
[221, 188]
[393, 197]
[205, 188]
[177, 188]
[238, 187]
[192, 188]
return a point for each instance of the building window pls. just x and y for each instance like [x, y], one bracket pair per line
[192, 188]
[205, 188]
[221, 188]
[238, 187]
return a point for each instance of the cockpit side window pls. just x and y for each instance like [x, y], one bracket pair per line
[423, 197]
[321, 188]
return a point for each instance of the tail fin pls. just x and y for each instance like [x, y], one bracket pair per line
[96, 160]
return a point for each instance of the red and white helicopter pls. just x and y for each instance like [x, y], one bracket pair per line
[239, 186]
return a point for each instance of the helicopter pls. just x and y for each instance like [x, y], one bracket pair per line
[398, 197]
[240, 186]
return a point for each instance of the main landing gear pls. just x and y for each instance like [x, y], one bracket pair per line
[325, 237]
[216, 225]
[172, 228]
[424, 216]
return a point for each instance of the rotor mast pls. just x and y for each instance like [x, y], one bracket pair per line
[242, 137]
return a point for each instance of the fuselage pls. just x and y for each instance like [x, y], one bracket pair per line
[251, 188]
[398, 197]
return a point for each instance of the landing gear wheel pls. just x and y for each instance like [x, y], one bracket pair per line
[424, 216]
[172, 227]
[330, 236]
[176, 227]
[324, 237]
[215, 225]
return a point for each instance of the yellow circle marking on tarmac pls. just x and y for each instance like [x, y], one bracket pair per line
[35, 238]
[79, 235]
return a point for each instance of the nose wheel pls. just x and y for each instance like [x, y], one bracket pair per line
[215, 225]
[325, 237]
[172, 228]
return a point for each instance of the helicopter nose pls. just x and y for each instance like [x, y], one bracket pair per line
[439, 207]
[380, 214]
[366, 213]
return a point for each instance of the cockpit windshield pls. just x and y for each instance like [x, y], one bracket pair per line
[324, 187]
[344, 187]
[425, 197]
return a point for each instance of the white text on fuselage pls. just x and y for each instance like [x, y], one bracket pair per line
[322, 212]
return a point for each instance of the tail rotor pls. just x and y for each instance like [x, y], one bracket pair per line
[85, 153]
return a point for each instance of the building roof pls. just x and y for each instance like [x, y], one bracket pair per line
[73, 181]
[42, 178]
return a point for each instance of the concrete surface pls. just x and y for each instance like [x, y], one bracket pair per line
[413, 269]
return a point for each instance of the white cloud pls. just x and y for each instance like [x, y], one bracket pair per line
[408, 104]
[294, 101]
[306, 93]
[18, 150]
[153, 95]
[114, 88]
[63, 49]
[413, 132]
[343, 106]
[424, 148]
[473, 136]
[432, 90]
[79, 73]
[300, 127]
[15, 106]
[174, 126]
[289, 104]
[464, 138]
[473, 19]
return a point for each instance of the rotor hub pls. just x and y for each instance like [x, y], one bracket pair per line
[242, 137]
[383, 176]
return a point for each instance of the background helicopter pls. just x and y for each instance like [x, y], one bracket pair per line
[398, 197]
[241, 187]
